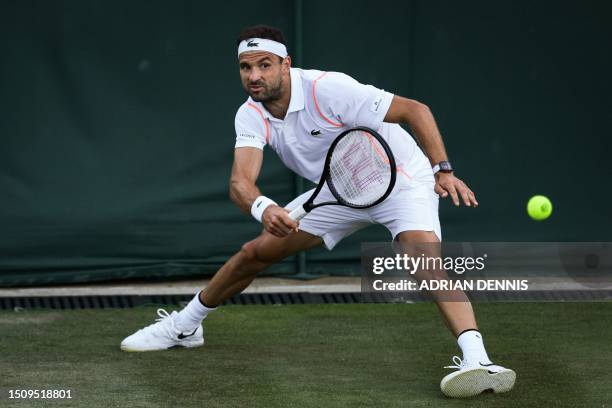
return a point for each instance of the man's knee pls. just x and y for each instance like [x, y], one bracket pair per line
[248, 252]
[417, 237]
[267, 249]
[255, 252]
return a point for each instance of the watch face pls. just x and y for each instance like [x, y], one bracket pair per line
[445, 166]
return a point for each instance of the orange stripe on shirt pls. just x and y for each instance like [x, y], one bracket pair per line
[266, 124]
[403, 172]
[384, 156]
[314, 98]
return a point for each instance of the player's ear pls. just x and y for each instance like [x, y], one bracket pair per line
[286, 63]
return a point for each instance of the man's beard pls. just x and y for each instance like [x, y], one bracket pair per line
[269, 94]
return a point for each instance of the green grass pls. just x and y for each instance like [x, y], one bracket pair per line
[308, 356]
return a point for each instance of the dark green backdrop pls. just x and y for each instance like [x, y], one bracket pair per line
[116, 132]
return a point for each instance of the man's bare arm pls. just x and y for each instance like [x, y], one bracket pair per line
[422, 123]
[244, 191]
[245, 171]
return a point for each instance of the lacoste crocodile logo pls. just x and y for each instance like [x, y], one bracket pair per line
[314, 132]
[252, 44]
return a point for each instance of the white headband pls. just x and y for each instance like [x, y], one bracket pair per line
[262, 44]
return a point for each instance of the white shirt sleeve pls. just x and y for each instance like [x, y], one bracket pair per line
[250, 128]
[352, 103]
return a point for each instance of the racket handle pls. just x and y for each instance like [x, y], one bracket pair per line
[298, 213]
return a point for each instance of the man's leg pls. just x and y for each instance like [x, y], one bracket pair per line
[476, 373]
[184, 328]
[256, 255]
[458, 313]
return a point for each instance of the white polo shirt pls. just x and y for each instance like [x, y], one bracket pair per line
[323, 105]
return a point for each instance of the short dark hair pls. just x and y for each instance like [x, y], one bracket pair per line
[262, 31]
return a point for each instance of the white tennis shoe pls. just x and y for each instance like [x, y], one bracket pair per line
[163, 335]
[473, 379]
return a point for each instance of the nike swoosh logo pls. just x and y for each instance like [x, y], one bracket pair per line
[257, 206]
[183, 336]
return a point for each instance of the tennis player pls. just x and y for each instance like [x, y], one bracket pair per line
[298, 113]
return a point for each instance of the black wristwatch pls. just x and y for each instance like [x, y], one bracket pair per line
[443, 166]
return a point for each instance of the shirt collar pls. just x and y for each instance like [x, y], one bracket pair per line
[297, 92]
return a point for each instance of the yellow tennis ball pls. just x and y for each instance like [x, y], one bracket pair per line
[539, 207]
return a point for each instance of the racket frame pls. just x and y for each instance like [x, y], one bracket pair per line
[326, 177]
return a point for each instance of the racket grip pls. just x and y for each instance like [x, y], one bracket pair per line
[298, 213]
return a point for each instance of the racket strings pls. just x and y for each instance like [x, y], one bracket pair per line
[359, 169]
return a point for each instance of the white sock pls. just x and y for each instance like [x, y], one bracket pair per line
[192, 315]
[473, 348]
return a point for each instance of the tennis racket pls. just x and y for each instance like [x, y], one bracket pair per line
[359, 170]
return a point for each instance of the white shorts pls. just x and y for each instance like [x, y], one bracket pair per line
[412, 208]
